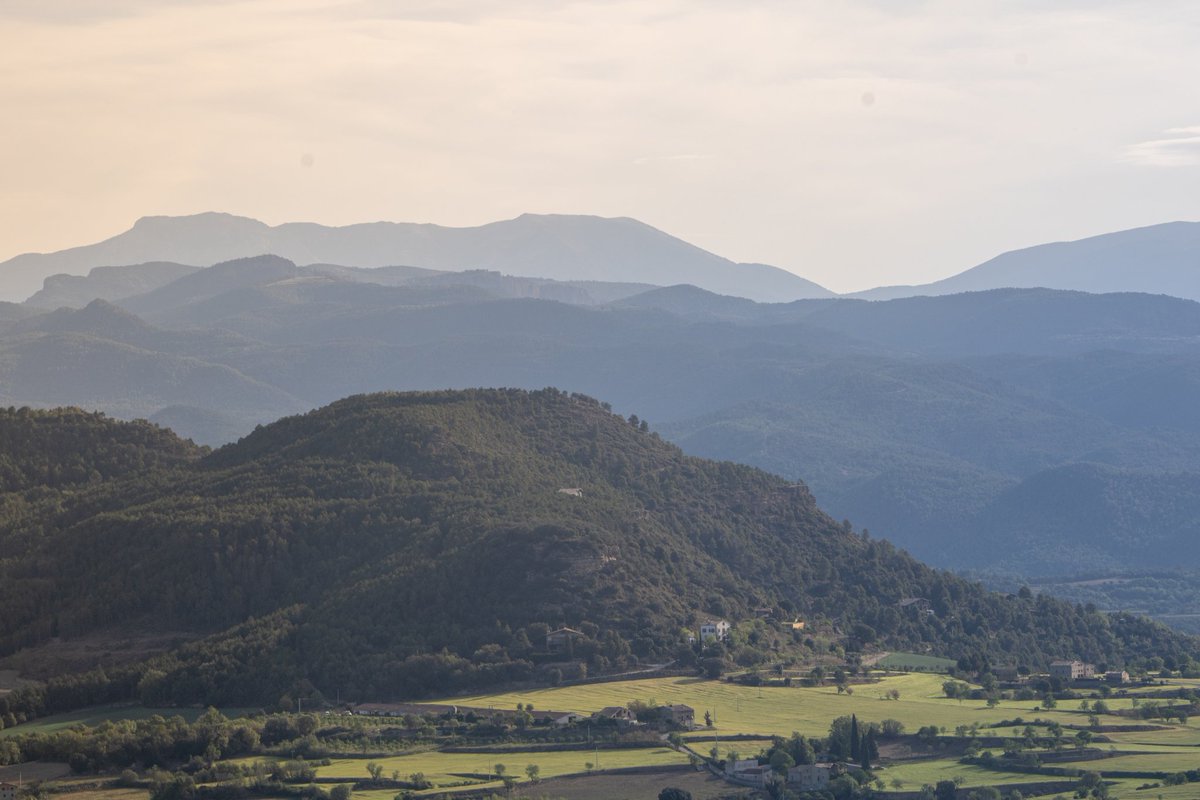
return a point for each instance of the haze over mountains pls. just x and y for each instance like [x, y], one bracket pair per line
[941, 422]
[1159, 259]
[561, 247]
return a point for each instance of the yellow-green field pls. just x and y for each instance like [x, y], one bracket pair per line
[1180, 761]
[916, 774]
[97, 714]
[779, 711]
[441, 767]
[757, 712]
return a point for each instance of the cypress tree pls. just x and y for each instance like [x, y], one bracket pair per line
[854, 742]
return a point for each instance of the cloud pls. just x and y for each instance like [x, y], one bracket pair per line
[1179, 147]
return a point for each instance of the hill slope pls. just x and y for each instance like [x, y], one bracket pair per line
[368, 535]
[563, 247]
[1159, 259]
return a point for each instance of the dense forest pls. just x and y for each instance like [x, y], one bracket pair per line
[395, 545]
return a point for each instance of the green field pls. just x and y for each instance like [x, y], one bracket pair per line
[446, 770]
[915, 662]
[756, 711]
[916, 774]
[98, 714]
[1180, 761]
[778, 710]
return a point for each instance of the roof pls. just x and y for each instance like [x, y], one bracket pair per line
[1063, 663]
[571, 631]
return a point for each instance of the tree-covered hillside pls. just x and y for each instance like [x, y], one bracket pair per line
[391, 545]
[64, 447]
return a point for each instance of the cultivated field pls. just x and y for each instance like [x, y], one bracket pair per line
[779, 711]
[97, 714]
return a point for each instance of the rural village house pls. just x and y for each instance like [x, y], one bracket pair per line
[557, 641]
[1068, 671]
[717, 629]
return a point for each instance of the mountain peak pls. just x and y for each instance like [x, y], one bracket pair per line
[556, 246]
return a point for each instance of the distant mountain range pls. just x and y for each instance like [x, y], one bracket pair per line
[1159, 259]
[560, 247]
[924, 419]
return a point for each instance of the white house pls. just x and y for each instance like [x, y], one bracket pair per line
[717, 629]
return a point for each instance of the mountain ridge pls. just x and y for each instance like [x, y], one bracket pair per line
[1154, 259]
[354, 528]
[559, 246]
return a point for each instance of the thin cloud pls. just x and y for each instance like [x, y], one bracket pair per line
[1179, 147]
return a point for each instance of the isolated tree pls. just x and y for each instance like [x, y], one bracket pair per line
[499, 770]
[533, 771]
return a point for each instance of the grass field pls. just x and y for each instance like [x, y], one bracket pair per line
[779, 711]
[1182, 760]
[916, 774]
[915, 662]
[446, 770]
[98, 714]
[701, 785]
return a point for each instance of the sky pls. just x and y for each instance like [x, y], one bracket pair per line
[857, 143]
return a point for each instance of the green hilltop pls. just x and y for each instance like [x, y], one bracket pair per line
[399, 545]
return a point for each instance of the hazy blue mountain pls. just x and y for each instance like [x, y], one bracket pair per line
[1088, 515]
[1159, 259]
[200, 424]
[561, 247]
[106, 283]
[900, 415]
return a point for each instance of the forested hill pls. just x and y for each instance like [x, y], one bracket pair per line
[63, 447]
[391, 545]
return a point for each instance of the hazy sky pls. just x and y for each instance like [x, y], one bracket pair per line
[855, 143]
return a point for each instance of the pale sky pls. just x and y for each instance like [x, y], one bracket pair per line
[856, 143]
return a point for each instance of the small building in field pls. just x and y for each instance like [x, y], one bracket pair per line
[559, 718]
[617, 714]
[748, 772]
[714, 629]
[809, 777]
[681, 715]
[8, 791]
[741, 765]
[1116, 677]
[559, 640]
[1068, 671]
